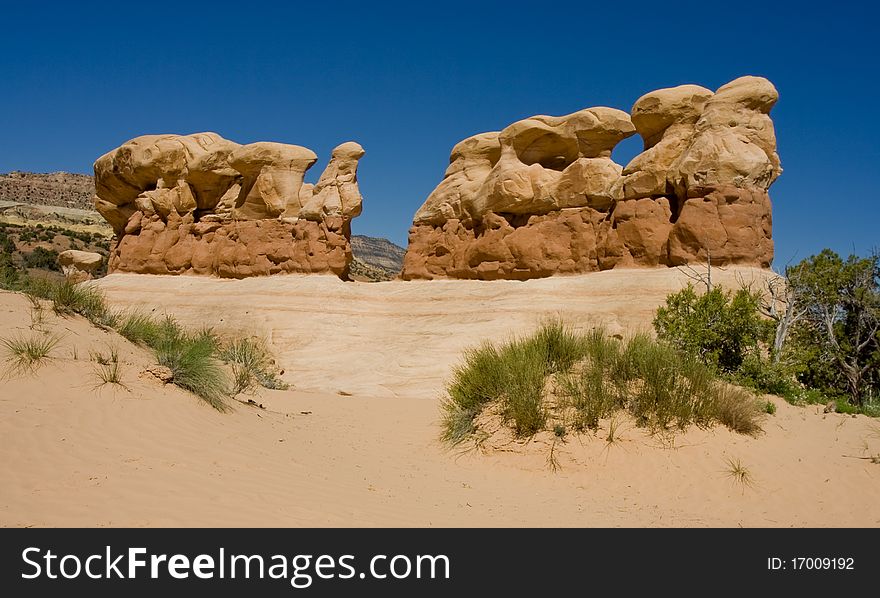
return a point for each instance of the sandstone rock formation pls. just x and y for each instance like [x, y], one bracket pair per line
[79, 265]
[543, 196]
[201, 204]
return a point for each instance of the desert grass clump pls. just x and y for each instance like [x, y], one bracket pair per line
[477, 381]
[526, 367]
[589, 391]
[512, 376]
[670, 389]
[69, 298]
[737, 409]
[559, 346]
[107, 367]
[251, 364]
[25, 354]
[658, 386]
[141, 328]
[557, 377]
[191, 357]
[739, 473]
[37, 313]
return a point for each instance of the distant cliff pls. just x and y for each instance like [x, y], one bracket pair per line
[379, 253]
[51, 189]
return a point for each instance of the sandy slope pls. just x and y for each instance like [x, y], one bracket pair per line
[71, 454]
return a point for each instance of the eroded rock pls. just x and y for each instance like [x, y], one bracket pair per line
[200, 204]
[79, 265]
[543, 196]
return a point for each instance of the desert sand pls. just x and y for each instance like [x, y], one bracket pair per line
[355, 440]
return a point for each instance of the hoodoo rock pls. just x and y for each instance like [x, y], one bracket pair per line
[543, 196]
[200, 204]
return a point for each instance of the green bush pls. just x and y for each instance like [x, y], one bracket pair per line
[719, 328]
[193, 358]
[67, 297]
[837, 342]
[142, 329]
[46, 259]
[514, 375]
[7, 245]
[660, 387]
[766, 377]
[9, 274]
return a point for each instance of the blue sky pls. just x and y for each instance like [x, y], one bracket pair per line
[410, 80]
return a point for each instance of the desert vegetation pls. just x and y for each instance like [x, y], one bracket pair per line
[560, 380]
[35, 247]
[204, 362]
[812, 336]
[24, 354]
[107, 367]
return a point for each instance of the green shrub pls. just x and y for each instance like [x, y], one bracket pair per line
[10, 277]
[719, 328]
[7, 245]
[559, 346]
[766, 377]
[66, 296]
[478, 380]
[837, 341]
[871, 407]
[808, 396]
[514, 375]
[844, 406]
[46, 259]
[737, 409]
[526, 364]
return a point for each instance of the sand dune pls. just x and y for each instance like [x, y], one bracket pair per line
[75, 455]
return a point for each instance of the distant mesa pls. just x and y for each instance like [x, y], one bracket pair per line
[201, 204]
[543, 197]
[61, 189]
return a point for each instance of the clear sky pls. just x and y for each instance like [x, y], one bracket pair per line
[409, 80]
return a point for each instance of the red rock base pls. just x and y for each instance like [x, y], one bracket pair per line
[731, 225]
[236, 249]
